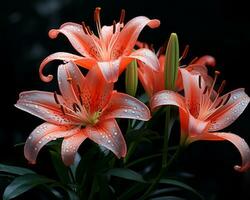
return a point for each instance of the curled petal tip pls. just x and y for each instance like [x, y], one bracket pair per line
[53, 33]
[154, 23]
[242, 168]
[46, 78]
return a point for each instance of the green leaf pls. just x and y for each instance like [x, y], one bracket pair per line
[171, 62]
[167, 198]
[15, 170]
[181, 185]
[127, 174]
[61, 169]
[131, 191]
[131, 80]
[24, 183]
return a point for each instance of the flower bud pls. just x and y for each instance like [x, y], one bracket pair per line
[171, 62]
[131, 80]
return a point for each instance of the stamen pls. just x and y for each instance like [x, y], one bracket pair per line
[84, 28]
[217, 73]
[90, 32]
[184, 53]
[122, 16]
[200, 82]
[97, 20]
[222, 86]
[227, 99]
[55, 97]
[219, 104]
[62, 109]
[193, 61]
[114, 26]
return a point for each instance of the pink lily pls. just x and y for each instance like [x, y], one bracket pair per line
[204, 114]
[111, 51]
[86, 108]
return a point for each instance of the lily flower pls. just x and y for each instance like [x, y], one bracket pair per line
[154, 81]
[86, 108]
[203, 114]
[111, 51]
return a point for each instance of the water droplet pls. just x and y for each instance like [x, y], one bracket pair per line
[235, 97]
[40, 142]
[126, 111]
[30, 137]
[115, 133]
[109, 141]
[133, 112]
[35, 148]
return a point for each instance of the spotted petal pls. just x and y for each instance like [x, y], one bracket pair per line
[43, 105]
[130, 33]
[125, 106]
[43, 134]
[82, 42]
[82, 61]
[70, 146]
[107, 133]
[238, 142]
[229, 112]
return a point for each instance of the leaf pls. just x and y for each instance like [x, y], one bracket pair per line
[181, 185]
[167, 198]
[131, 191]
[15, 170]
[24, 183]
[61, 169]
[126, 174]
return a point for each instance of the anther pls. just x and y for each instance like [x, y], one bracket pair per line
[114, 26]
[122, 16]
[97, 14]
[62, 109]
[69, 79]
[76, 107]
[55, 97]
[200, 82]
[205, 90]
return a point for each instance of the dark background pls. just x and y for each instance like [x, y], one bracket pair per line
[218, 28]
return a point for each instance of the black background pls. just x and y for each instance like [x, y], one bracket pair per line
[218, 28]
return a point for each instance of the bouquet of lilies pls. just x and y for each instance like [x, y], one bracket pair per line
[94, 152]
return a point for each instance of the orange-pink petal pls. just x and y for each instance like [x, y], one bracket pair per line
[229, 112]
[43, 105]
[82, 42]
[43, 134]
[66, 57]
[239, 143]
[124, 106]
[70, 146]
[167, 97]
[110, 70]
[193, 93]
[206, 60]
[130, 33]
[96, 90]
[144, 55]
[108, 134]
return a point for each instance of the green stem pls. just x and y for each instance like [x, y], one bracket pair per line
[142, 159]
[165, 165]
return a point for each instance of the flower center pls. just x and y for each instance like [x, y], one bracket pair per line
[94, 118]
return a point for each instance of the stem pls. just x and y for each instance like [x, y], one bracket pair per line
[165, 165]
[143, 159]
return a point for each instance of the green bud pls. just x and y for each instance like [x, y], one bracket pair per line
[171, 62]
[131, 80]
